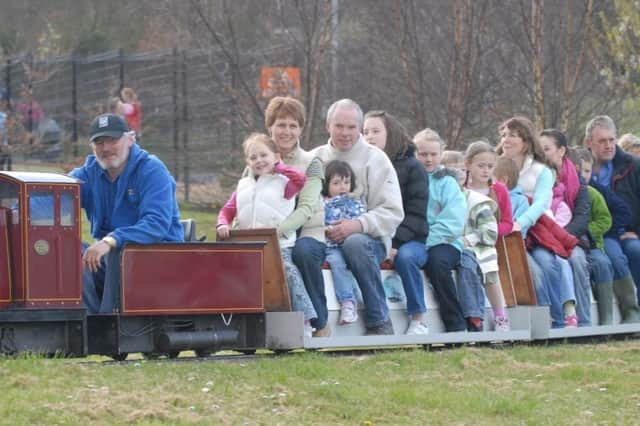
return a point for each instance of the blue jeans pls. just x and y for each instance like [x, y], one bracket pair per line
[101, 289]
[343, 280]
[582, 285]
[442, 259]
[300, 300]
[619, 261]
[470, 290]
[363, 254]
[539, 281]
[631, 247]
[308, 255]
[408, 263]
[559, 288]
[600, 267]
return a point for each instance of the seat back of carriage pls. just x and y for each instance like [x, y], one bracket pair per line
[242, 274]
[5, 265]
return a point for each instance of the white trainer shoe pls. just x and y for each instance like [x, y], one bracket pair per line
[417, 327]
[348, 313]
[308, 330]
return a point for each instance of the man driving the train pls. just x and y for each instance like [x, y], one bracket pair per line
[129, 196]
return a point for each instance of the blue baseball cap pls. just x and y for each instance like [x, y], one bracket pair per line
[110, 125]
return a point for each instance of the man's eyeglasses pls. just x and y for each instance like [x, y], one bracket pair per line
[105, 141]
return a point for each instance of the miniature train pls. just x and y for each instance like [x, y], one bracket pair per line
[200, 296]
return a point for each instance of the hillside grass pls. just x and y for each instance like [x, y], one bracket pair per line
[563, 384]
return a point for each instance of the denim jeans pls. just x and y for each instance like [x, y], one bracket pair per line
[559, 286]
[442, 259]
[600, 267]
[408, 263]
[101, 289]
[300, 300]
[343, 281]
[619, 261]
[470, 290]
[631, 247]
[582, 285]
[308, 255]
[539, 281]
[363, 254]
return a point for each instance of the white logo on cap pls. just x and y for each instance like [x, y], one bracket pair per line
[103, 121]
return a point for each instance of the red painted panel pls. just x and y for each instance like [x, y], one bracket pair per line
[5, 267]
[53, 256]
[192, 278]
[15, 247]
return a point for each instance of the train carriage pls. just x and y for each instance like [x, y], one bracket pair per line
[200, 296]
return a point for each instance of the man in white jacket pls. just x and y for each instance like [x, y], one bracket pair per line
[366, 240]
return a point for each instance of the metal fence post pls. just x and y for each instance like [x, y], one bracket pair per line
[74, 104]
[176, 118]
[121, 63]
[185, 131]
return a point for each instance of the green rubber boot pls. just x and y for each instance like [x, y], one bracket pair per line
[624, 290]
[604, 296]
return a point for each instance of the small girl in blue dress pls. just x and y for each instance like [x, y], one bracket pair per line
[338, 204]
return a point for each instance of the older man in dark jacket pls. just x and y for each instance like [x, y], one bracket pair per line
[619, 171]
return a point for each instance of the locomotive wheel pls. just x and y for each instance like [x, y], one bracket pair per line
[119, 357]
[173, 355]
[248, 351]
[203, 353]
[150, 355]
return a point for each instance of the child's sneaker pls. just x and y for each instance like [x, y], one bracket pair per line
[348, 313]
[308, 330]
[416, 327]
[502, 324]
[571, 321]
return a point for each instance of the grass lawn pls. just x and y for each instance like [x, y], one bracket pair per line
[563, 384]
[205, 222]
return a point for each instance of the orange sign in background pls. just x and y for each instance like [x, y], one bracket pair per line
[279, 81]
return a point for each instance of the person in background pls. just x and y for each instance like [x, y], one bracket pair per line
[618, 172]
[128, 196]
[408, 251]
[519, 142]
[262, 200]
[571, 207]
[284, 119]
[338, 205]
[129, 107]
[446, 214]
[479, 160]
[506, 171]
[601, 267]
[454, 160]
[630, 143]
[367, 239]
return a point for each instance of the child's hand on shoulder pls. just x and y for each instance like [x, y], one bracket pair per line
[222, 232]
[279, 167]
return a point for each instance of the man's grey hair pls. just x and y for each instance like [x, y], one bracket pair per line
[346, 103]
[603, 121]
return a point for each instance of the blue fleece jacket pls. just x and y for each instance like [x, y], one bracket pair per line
[519, 205]
[140, 206]
[446, 210]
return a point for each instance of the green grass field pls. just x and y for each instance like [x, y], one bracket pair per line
[563, 384]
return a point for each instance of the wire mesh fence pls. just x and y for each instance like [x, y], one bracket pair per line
[194, 116]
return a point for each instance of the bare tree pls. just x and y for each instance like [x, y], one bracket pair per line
[309, 29]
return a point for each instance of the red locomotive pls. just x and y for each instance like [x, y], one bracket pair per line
[175, 296]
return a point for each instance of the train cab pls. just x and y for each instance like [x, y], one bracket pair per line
[40, 241]
[40, 271]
